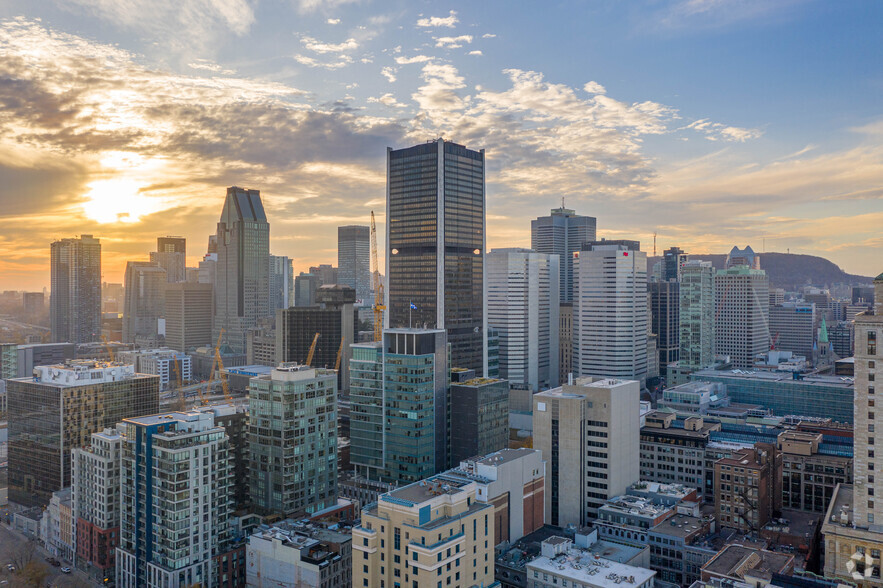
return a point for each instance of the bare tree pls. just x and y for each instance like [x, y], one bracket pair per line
[23, 554]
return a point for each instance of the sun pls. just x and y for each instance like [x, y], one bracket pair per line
[117, 201]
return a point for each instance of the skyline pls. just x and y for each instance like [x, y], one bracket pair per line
[711, 123]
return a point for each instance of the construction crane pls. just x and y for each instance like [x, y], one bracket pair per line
[312, 351]
[108, 348]
[224, 385]
[339, 351]
[377, 284]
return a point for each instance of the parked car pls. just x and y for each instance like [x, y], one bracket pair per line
[65, 570]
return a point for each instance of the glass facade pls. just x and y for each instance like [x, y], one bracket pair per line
[562, 233]
[479, 418]
[435, 245]
[366, 407]
[47, 420]
[75, 304]
[293, 441]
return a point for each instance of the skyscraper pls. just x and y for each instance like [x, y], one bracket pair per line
[75, 302]
[523, 306]
[435, 235]
[281, 286]
[145, 302]
[354, 260]
[664, 307]
[171, 244]
[742, 314]
[173, 262]
[241, 280]
[610, 310]
[696, 315]
[672, 260]
[188, 316]
[746, 257]
[562, 233]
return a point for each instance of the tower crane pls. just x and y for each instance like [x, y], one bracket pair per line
[108, 348]
[377, 284]
[339, 351]
[312, 351]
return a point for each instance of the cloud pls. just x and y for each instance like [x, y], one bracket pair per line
[488, 36]
[333, 21]
[389, 73]
[317, 46]
[711, 14]
[309, 6]
[715, 131]
[342, 61]
[415, 59]
[440, 21]
[594, 88]
[387, 100]
[452, 42]
[206, 65]
[476, 52]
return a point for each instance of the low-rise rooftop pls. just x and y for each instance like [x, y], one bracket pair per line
[738, 561]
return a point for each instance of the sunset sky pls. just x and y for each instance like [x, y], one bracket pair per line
[709, 122]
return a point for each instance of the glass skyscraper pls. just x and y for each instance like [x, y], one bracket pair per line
[562, 233]
[75, 303]
[242, 276]
[354, 260]
[435, 210]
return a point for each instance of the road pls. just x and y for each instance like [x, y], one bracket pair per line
[10, 542]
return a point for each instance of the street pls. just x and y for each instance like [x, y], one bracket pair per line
[10, 545]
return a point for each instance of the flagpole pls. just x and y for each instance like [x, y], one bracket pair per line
[410, 308]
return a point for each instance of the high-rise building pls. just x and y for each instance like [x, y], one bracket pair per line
[188, 316]
[36, 354]
[399, 405]
[435, 244]
[610, 310]
[565, 341]
[742, 314]
[589, 435]
[171, 244]
[75, 303]
[292, 441]
[325, 273]
[672, 260]
[480, 409]
[8, 361]
[174, 264]
[334, 318]
[748, 488]
[696, 315]
[853, 528]
[523, 306]
[241, 280]
[281, 286]
[305, 287]
[145, 302]
[171, 366]
[176, 504]
[95, 485]
[665, 320]
[448, 532]
[33, 303]
[793, 328]
[562, 233]
[746, 257]
[57, 409]
[354, 260]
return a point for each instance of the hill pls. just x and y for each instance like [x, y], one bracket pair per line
[789, 270]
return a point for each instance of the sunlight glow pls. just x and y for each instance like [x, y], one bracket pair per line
[117, 200]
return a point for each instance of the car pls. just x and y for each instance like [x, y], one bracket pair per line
[55, 562]
[65, 570]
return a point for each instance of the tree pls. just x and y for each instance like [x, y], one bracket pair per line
[23, 554]
[33, 574]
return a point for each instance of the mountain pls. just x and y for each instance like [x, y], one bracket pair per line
[790, 270]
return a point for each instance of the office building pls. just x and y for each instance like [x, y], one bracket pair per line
[748, 490]
[241, 278]
[563, 564]
[172, 367]
[435, 244]
[610, 310]
[9, 360]
[694, 398]
[739, 565]
[431, 531]
[174, 264]
[399, 405]
[522, 305]
[777, 296]
[37, 354]
[57, 410]
[305, 286]
[354, 260]
[665, 320]
[479, 417]
[793, 328]
[292, 441]
[176, 507]
[33, 303]
[281, 286]
[565, 341]
[75, 303]
[841, 335]
[171, 244]
[675, 454]
[325, 273]
[742, 314]
[334, 317]
[696, 315]
[588, 433]
[261, 347]
[95, 485]
[672, 260]
[189, 316]
[785, 394]
[562, 233]
[810, 476]
[145, 303]
[853, 520]
[742, 257]
[297, 554]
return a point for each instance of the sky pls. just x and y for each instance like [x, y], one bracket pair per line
[710, 123]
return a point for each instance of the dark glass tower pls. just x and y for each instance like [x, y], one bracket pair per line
[75, 303]
[435, 235]
[562, 233]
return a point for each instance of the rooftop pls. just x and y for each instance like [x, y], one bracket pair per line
[737, 561]
[419, 492]
[504, 456]
[591, 570]
[634, 505]
[679, 526]
[784, 378]
[82, 372]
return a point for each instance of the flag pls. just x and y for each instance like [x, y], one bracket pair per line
[413, 306]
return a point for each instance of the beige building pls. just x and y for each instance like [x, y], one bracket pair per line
[429, 533]
[589, 433]
[809, 477]
[853, 529]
